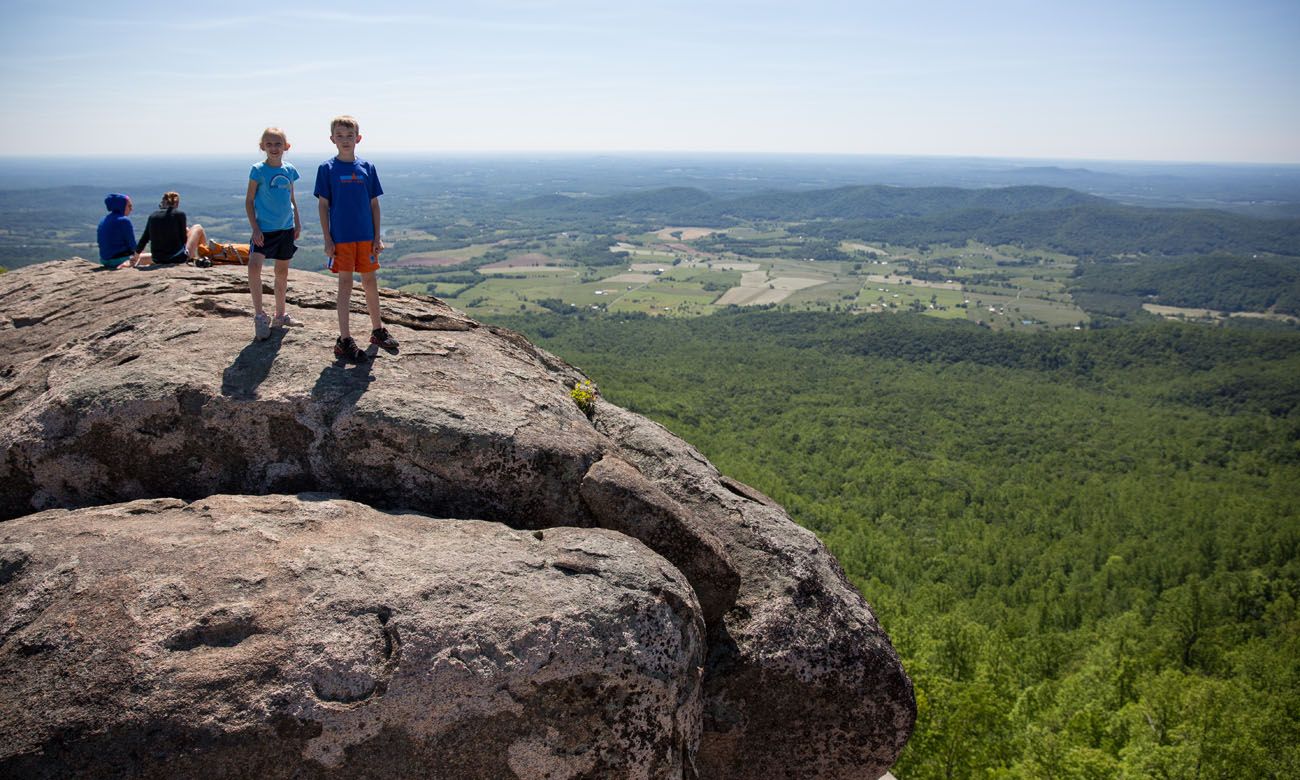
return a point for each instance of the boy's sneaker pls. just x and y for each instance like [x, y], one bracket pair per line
[381, 338]
[286, 320]
[262, 327]
[347, 349]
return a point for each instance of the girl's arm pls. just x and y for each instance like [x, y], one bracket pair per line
[297, 218]
[251, 212]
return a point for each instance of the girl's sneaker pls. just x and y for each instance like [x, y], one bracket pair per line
[347, 349]
[381, 338]
[261, 327]
[286, 320]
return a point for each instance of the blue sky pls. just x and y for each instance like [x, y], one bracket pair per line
[1132, 80]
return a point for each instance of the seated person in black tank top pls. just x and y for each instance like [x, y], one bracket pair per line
[173, 241]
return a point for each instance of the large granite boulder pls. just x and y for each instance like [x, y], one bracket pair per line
[302, 637]
[141, 384]
[798, 682]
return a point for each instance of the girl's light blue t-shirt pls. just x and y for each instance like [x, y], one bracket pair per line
[272, 203]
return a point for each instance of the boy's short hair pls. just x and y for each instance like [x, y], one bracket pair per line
[275, 132]
[346, 122]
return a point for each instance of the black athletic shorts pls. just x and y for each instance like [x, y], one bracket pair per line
[276, 245]
[176, 259]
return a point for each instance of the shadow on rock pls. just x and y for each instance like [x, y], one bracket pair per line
[341, 382]
[251, 368]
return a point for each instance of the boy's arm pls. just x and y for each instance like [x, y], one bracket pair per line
[323, 208]
[377, 245]
[252, 212]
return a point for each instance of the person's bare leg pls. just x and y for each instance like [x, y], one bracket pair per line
[281, 285]
[194, 236]
[345, 302]
[255, 281]
[371, 285]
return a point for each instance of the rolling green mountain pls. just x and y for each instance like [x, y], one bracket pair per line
[1090, 231]
[653, 204]
[687, 205]
[1044, 217]
[880, 202]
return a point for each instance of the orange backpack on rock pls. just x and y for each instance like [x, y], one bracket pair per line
[225, 254]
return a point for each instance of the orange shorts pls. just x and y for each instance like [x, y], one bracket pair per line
[354, 256]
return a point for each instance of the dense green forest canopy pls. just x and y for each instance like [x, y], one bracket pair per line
[1085, 544]
[1221, 282]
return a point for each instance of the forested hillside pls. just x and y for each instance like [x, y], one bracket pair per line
[1051, 218]
[1222, 282]
[1086, 545]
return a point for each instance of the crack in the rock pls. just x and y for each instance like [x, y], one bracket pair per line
[213, 632]
[182, 333]
[571, 567]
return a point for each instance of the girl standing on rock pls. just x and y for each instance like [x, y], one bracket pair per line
[273, 215]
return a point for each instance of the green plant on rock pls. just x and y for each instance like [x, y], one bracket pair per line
[584, 394]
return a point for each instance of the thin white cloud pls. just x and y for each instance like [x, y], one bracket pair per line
[178, 23]
[275, 76]
[446, 22]
[8, 61]
[345, 17]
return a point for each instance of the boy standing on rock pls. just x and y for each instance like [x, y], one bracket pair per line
[273, 213]
[347, 192]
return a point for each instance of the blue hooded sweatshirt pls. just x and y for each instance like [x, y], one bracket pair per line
[116, 233]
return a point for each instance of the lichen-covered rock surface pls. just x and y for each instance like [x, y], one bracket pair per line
[117, 386]
[275, 636]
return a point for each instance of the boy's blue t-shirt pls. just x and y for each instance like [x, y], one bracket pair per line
[273, 201]
[349, 186]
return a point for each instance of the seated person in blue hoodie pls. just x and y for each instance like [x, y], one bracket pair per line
[116, 233]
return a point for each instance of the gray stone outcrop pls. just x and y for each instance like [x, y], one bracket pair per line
[279, 637]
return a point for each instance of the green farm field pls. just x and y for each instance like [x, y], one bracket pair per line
[690, 273]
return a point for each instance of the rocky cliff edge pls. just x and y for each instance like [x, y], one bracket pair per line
[237, 558]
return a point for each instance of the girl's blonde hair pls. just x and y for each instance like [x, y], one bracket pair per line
[274, 131]
[170, 200]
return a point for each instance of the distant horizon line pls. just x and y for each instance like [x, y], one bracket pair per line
[490, 153]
